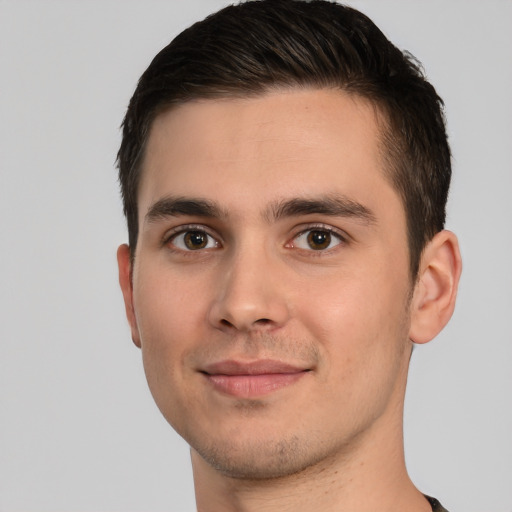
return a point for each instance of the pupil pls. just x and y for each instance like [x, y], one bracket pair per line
[319, 240]
[195, 240]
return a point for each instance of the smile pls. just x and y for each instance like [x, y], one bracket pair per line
[252, 380]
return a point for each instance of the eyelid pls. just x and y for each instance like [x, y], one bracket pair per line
[183, 228]
[305, 228]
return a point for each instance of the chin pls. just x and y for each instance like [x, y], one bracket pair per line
[261, 459]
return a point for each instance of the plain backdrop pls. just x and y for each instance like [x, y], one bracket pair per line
[79, 429]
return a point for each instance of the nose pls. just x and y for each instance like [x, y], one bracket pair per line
[250, 295]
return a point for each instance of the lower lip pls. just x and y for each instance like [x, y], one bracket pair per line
[253, 386]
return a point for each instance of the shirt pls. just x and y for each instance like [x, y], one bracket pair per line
[436, 506]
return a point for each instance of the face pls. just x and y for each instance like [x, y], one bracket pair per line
[271, 280]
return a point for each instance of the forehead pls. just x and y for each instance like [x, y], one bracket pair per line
[283, 143]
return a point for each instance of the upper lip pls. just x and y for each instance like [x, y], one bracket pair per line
[260, 367]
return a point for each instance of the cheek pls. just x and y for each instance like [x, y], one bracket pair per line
[166, 305]
[356, 317]
[169, 327]
[360, 329]
[170, 318]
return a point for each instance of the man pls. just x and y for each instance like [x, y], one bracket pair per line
[284, 171]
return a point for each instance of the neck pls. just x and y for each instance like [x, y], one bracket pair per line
[371, 477]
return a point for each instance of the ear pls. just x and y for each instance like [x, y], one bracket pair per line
[436, 287]
[125, 281]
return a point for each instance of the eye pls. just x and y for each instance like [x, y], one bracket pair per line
[193, 240]
[317, 239]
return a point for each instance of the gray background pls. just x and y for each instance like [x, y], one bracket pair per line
[79, 431]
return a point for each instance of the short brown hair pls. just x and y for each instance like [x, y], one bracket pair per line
[250, 48]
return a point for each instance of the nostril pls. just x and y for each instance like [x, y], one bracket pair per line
[263, 321]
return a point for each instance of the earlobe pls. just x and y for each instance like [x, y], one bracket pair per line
[125, 281]
[436, 287]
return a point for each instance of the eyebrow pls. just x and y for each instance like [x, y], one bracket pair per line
[330, 205]
[176, 206]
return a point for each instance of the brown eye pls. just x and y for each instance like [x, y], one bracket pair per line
[193, 240]
[319, 240]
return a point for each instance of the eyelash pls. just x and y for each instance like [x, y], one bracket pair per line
[170, 238]
[322, 228]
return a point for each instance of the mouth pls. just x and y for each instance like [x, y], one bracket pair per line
[253, 379]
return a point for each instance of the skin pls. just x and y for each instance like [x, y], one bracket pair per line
[342, 315]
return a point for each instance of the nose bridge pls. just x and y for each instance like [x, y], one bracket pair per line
[249, 294]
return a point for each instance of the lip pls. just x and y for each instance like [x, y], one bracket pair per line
[252, 379]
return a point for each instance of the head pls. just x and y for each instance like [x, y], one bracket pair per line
[284, 171]
[255, 47]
